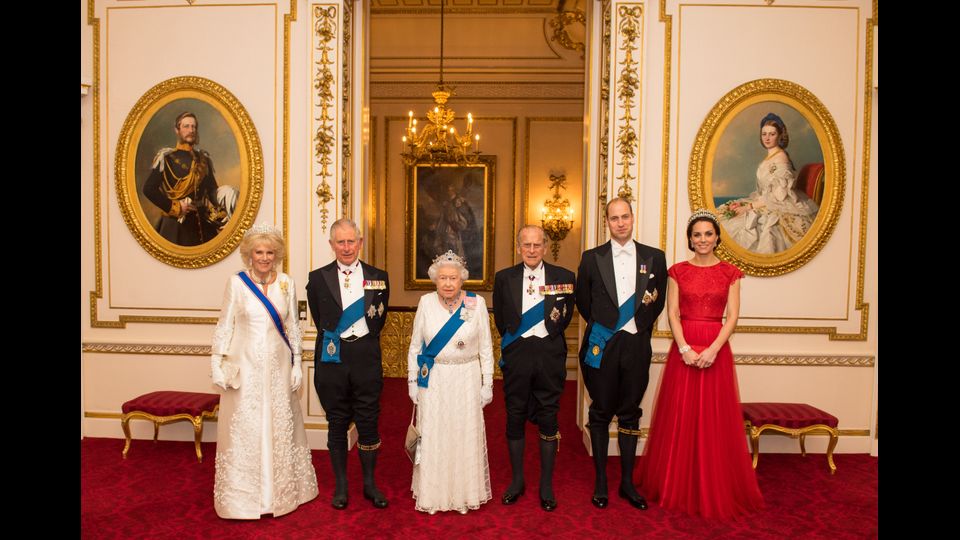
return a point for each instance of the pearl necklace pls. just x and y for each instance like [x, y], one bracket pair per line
[259, 281]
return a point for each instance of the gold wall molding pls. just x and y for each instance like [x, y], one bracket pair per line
[792, 360]
[629, 36]
[325, 26]
[147, 348]
[667, 21]
[347, 111]
[604, 153]
[416, 90]
[285, 164]
[560, 34]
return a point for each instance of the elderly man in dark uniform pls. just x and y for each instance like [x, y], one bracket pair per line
[348, 300]
[183, 187]
[621, 290]
[532, 305]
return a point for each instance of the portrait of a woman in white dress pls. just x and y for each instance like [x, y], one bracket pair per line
[263, 463]
[776, 215]
[450, 382]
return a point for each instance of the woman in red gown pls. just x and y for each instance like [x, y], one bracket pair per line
[696, 457]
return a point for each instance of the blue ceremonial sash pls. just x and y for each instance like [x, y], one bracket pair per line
[428, 353]
[600, 334]
[272, 311]
[331, 340]
[528, 320]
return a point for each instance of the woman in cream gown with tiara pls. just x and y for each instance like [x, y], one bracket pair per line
[263, 462]
[452, 472]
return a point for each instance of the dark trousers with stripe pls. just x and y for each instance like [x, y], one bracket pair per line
[533, 375]
[350, 391]
[618, 385]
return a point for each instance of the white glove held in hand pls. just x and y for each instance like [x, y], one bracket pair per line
[296, 373]
[413, 391]
[486, 395]
[216, 372]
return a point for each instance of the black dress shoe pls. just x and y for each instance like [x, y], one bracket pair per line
[600, 501]
[510, 498]
[377, 498]
[339, 502]
[548, 504]
[635, 500]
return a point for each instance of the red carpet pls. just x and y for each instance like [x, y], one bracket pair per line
[160, 491]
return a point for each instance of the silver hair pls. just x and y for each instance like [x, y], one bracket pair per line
[543, 234]
[343, 223]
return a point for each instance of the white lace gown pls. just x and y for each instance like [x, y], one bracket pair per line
[453, 473]
[263, 462]
[782, 216]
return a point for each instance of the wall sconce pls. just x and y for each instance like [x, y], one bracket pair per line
[556, 216]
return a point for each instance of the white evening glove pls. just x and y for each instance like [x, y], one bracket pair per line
[413, 390]
[216, 372]
[296, 373]
[486, 390]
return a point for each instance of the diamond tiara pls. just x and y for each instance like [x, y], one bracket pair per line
[263, 228]
[700, 214]
[451, 257]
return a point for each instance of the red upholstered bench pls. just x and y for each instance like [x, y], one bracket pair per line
[794, 419]
[170, 406]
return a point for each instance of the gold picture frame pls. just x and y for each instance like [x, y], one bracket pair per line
[235, 155]
[777, 207]
[450, 206]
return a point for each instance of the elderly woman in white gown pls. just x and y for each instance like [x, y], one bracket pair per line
[263, 462]
[777, 215]
[450, 378]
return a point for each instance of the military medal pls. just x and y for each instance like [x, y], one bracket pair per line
[530, 289]
[331, 349]
[346, 280]
[555, 314]
[424, 371]
[596, 350]
[372, 311]
[379, 309]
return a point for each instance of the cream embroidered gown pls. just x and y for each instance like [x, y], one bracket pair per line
[263, 461]
[453, 473]
[783, 216]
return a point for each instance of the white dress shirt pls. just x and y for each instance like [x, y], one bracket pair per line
[530, 300]
[349, 295]
[625, 272]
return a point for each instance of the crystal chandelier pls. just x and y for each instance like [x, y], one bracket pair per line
[438, 140]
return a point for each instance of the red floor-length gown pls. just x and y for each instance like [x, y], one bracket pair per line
[696, 459]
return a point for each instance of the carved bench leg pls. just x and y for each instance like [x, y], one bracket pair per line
[834, 437]
[755, 444]
[803, 448]
[197, 435]
[125, 423]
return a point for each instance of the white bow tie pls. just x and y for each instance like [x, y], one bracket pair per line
[618, 249]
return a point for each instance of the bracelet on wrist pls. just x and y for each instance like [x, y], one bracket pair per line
[684, 349]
